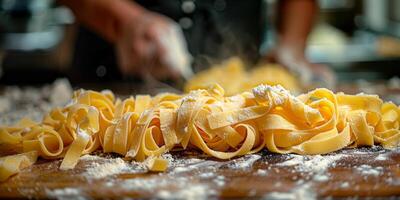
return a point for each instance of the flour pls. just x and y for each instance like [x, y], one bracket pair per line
[65, 194]
[61, 92]
[89, 157]
[207, 175]
[83, 133]
[184, 165]
[244, 162]
[32, 103]
[104, 167]
[193, 95]
[219, 181]
[302, 192]
[262, 172]
[238, 99]
[5, 104]
[174, 185]
[315, 164]
[155, 182]
[321, 178]
[277, 92]
[295, 160]
[193, 192]
[394, 181]
[368, 170]
[168, 157]
[382, 157]
[115, 166]
[262, 90]
[344, 185]
[143, 184]
[181, 169]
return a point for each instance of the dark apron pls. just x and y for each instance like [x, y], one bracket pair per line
[217, 30]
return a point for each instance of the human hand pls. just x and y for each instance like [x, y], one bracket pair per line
[310, 74]
[142, 48]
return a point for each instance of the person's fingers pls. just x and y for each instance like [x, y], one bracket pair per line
[162, 72]
[142, 50]
[129, 66]
[159, 35]
[123, 59]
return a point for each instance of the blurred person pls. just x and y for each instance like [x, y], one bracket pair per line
[133, 33]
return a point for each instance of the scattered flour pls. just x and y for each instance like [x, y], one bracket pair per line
[262, 172]
[185, 165]
[168, 157]
[382, 157]
[193, 192]
[112, 167]
[244, 162]
[144, 184]
[302, 192]
[345, 185]
[321, 178]
[65, 193]
[188, 165]
[207, 175]
[5, 104]
[31, 102]
[156, 182]
[368, 170]
[316, 164]
[89, 157]
[220, 181]
[61, 92]
[181, 169]
[100, 167]
[394, 181]
[277, 92]
[295, 160]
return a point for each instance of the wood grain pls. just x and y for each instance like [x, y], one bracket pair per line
[239, 177]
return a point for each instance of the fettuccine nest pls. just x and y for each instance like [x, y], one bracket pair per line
[143, 128]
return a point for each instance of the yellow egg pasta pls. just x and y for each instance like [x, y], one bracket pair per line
[144, 128]
[10, 165]
[232, 75]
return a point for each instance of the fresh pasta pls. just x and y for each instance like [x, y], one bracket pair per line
[144, 128]
[233, 77]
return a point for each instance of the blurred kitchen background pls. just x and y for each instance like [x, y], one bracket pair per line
[359, 39]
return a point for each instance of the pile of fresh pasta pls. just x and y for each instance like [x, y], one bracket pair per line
[144, 128]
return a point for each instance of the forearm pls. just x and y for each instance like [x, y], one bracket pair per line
[295, 22]
[106, 17]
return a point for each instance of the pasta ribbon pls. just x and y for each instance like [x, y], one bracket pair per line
[144, 128]
[10, 165]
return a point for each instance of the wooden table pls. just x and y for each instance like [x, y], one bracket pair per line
[362, 172]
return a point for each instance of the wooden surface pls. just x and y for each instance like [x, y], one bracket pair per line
[258, 176]
[194, 176]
